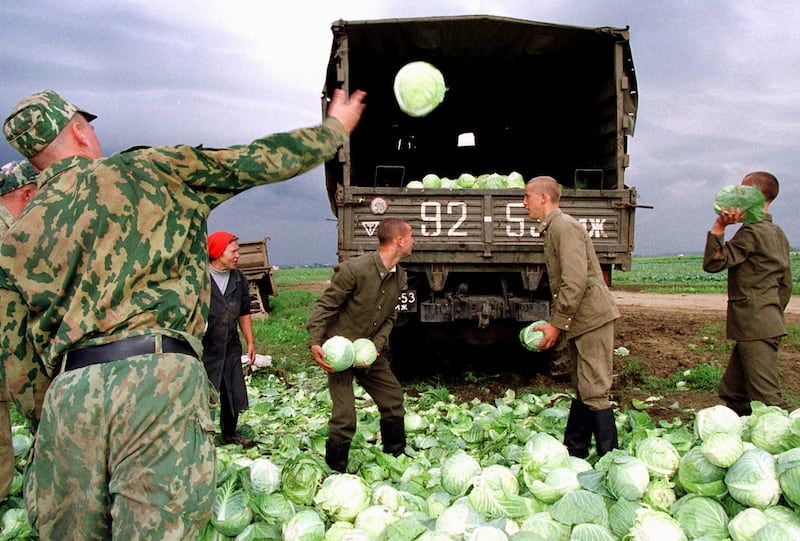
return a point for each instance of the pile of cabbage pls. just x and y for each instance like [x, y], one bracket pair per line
[498, 471]
[466, 181]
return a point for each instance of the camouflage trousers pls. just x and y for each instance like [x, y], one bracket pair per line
[124, 450]
[6, 444]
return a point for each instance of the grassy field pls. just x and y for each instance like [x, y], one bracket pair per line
[682, 274]
[281, 333]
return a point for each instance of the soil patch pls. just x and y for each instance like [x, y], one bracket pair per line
[666, 335]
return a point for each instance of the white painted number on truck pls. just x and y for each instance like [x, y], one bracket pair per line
[517, 226]
[431, 213]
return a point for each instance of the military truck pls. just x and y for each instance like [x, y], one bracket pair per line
[254, 263]
[522, 96]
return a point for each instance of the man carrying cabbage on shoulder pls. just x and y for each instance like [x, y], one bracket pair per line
[759, 288]
[584, 310]
[360, 304]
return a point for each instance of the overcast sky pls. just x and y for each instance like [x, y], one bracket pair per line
[719, 94]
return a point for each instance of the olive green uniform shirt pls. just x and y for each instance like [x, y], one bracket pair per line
[581, 299]
[116, 247]
[759, 278]
[359, 303]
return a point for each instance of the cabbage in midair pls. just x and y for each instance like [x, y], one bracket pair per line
[419, 88]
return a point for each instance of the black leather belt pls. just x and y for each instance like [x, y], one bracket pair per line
[122, 349]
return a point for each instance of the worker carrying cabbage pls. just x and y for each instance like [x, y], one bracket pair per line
[759, 288]
[360, 303]
[584, 310]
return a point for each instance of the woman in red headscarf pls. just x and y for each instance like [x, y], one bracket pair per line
[230, 305]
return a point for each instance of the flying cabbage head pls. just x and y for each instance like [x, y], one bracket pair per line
[419, 88]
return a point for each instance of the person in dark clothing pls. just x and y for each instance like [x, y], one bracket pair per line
[222, 347]
[360, 303]
[759, 288]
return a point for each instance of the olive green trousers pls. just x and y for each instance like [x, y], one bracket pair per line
[381, 384]
[752, 374]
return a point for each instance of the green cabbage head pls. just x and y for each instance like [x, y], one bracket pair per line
[419, 88]
[364, 352]
[529, 338]
[339, 352]
[746, 198]
[459, 471]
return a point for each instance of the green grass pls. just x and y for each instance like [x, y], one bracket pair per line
[682, 274]
[703, 377]
[299, 275]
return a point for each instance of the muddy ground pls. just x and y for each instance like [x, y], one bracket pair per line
[665, 334]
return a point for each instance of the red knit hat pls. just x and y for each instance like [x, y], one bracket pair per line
[217, 242]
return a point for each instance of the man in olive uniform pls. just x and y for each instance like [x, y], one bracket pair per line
[584, 310]
[759, 288]
[104, 280]
[17, 188]
[360, 302]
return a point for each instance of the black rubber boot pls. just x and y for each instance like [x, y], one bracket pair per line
[336, 455]
[393, 433]
[578, 434]
[605, 431]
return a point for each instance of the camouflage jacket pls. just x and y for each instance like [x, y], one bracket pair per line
[6, 220]
[116, 247]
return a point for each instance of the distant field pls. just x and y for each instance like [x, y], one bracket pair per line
[669, 274]
[682, 274]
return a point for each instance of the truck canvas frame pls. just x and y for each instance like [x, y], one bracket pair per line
[523, 96]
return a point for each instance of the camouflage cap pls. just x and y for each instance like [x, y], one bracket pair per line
[15, 175]
[37, 120]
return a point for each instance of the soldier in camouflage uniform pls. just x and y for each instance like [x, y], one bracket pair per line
[17, 188]
[104, 282]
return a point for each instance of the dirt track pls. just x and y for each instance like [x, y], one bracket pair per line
[690, 302]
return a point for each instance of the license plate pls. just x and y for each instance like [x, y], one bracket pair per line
[407, 301]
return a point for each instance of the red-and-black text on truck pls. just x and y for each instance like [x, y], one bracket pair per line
[522, 97]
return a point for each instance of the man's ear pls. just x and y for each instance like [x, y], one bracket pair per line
[78, 133]
[28, 193]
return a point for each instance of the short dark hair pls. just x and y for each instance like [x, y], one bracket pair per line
[391, 228]
[548, 185]
[766, 182]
